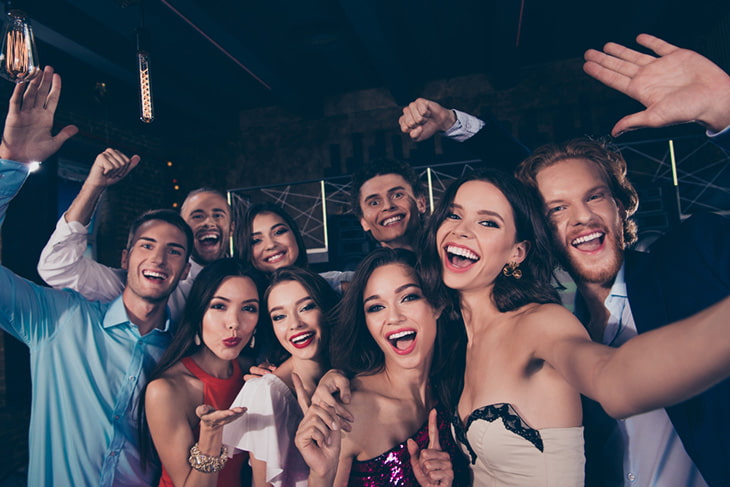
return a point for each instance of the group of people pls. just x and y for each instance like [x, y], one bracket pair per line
[444, 359]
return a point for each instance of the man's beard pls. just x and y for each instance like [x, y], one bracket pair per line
[603, 273]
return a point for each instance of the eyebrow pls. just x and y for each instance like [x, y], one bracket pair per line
[273, 227]
[481, 212]
[399, 289]
[297, 302]
[590, 190]
[223, 298]
[375, 195]
[152, 240]
[213, 210]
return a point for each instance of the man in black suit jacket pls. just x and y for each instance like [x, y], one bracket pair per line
[621, 292]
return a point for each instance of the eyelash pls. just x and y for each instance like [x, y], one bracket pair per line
[374, 308]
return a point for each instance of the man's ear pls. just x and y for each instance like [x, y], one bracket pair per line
[421, 204]
[520, 251]
[185, 272]
[125, 259]
[364, 225]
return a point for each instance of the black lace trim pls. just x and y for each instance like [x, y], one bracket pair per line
[510, 418]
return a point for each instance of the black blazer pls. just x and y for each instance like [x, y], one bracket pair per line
[686, 271]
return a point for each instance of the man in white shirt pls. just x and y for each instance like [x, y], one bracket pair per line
[62, 263]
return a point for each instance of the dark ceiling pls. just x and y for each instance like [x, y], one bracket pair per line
[212, 59]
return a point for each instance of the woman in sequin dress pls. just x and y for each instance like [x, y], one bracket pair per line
[385, 339]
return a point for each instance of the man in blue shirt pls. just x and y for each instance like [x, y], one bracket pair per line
[89, 360]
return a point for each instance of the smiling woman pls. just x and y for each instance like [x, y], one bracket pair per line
[528, 359]
[298, 301]
[386, 336]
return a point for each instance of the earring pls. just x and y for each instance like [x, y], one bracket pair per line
[512, 269]
[252, 343]
[196, 340]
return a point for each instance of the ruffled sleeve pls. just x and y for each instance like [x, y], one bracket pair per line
[267, 430]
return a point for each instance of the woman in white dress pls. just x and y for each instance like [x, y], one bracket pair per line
[297, 301]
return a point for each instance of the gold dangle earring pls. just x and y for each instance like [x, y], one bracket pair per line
[512, 269]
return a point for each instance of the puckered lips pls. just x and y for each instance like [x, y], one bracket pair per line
[458, 258]
[402, 340]
[393, 220]
[232, 342]
[302, 339]
[155, 276]
[589, 242]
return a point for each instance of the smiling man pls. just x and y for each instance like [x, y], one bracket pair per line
[62, 263]
[209, 216]
[622, 292]
[388, 198]
[89, 360]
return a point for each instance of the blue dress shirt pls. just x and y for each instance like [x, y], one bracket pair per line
[88, 367]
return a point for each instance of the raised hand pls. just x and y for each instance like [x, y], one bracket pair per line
[318, 437]
[422, 118]
[431, 466]
[677, 86]
[27, 134]
[332, 390]
[110, 167]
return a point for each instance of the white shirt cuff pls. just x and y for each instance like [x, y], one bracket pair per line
[465, 126]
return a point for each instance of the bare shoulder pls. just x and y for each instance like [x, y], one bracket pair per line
[549, 319]
[176, 386]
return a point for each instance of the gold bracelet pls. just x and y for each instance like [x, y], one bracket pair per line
[206, 463]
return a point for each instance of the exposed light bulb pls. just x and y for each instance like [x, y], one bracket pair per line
[18, 58]
[146, 109]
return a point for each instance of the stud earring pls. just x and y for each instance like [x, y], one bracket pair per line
[512, 269]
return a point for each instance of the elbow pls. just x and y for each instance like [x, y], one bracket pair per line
[619, 405]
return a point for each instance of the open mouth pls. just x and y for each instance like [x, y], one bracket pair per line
[392, 220]
[402, 341]
[302, 340]
[154, 275]
[209, 239]
[460, 257]
[275, 259]
[590, 242]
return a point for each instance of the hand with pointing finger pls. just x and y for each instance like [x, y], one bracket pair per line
[318, 438]
[431, 466]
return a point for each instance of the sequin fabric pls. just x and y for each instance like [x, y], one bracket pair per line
[393, 468]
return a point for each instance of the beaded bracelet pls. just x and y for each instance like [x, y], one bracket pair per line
[207, 463]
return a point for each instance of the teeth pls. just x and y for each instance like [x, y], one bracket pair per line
[275, 258]
[401, 334]
[302, 338]
[391, 220]
[586, 238]
[154, 275]
[462, 252]
[208, 237]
